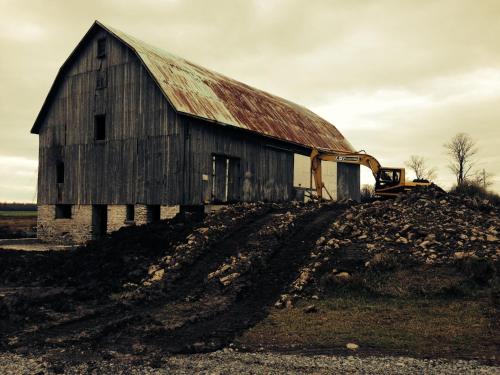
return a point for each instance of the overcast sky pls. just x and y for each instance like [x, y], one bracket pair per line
[396, 77]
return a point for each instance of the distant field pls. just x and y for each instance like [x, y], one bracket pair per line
[18, 213]
[17, 224]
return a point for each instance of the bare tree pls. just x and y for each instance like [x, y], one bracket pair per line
[461, 149]
[418, 165]
[483, 179]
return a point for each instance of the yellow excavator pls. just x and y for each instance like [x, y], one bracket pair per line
[389, 182]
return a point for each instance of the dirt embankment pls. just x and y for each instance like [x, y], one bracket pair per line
[415, 276]
[425, 228]
[174, 286]
[186, 285]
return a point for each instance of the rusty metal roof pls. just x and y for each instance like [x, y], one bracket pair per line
[199, 92]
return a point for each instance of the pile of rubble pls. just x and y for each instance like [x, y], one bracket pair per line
[427, 226]
[190, 284]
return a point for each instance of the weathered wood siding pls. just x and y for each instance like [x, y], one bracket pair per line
[151, 154]
[265, 170]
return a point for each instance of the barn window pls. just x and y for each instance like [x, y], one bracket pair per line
[130, 212]
[101, 48]
[100, 127]
[63, 211]
[60, 172]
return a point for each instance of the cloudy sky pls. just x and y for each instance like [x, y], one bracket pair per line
[396, 77]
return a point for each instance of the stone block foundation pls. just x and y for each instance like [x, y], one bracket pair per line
[169, 212]
[117, 217]
[79, 228]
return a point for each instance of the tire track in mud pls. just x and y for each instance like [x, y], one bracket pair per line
[192, 281]
[248, 301]
[103, 319]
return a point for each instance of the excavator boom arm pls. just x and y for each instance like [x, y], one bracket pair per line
[345, 157]
[342, 157]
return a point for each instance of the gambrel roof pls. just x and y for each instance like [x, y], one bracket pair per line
[202, 93]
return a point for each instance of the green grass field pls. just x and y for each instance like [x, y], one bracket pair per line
[18, 213]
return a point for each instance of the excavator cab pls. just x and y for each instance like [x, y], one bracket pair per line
[388, 177]
[390, 181]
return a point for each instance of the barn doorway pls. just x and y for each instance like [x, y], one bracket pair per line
[99, 220]
[226, 179]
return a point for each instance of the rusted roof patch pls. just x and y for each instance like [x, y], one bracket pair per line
[197, 91]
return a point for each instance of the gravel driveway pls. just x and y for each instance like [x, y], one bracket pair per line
[228, 362]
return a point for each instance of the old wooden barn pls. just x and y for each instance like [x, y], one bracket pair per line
[129, 134]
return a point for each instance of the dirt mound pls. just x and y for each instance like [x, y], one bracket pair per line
[95, 271]
[187, 285]
[427, 226]
[178, 285]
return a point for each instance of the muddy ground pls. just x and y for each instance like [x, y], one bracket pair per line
[192, 284]
[175, 286]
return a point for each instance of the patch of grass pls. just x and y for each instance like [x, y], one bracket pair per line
[395, 308]
[18, 213]
[479, 270]
[460, 328]
[466, 278]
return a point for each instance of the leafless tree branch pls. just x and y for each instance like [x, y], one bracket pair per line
[419, 166]
[483, 178]
[461, 150]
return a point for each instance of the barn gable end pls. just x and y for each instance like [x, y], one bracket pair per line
[136, 115]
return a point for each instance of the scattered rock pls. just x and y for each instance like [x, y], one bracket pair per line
[343, 275]
[158, 275]
[203, 230]
[491, 238]
[226, 280]
[320, 241]
[424, 244]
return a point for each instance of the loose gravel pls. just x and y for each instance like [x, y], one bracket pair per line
[229, 362]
